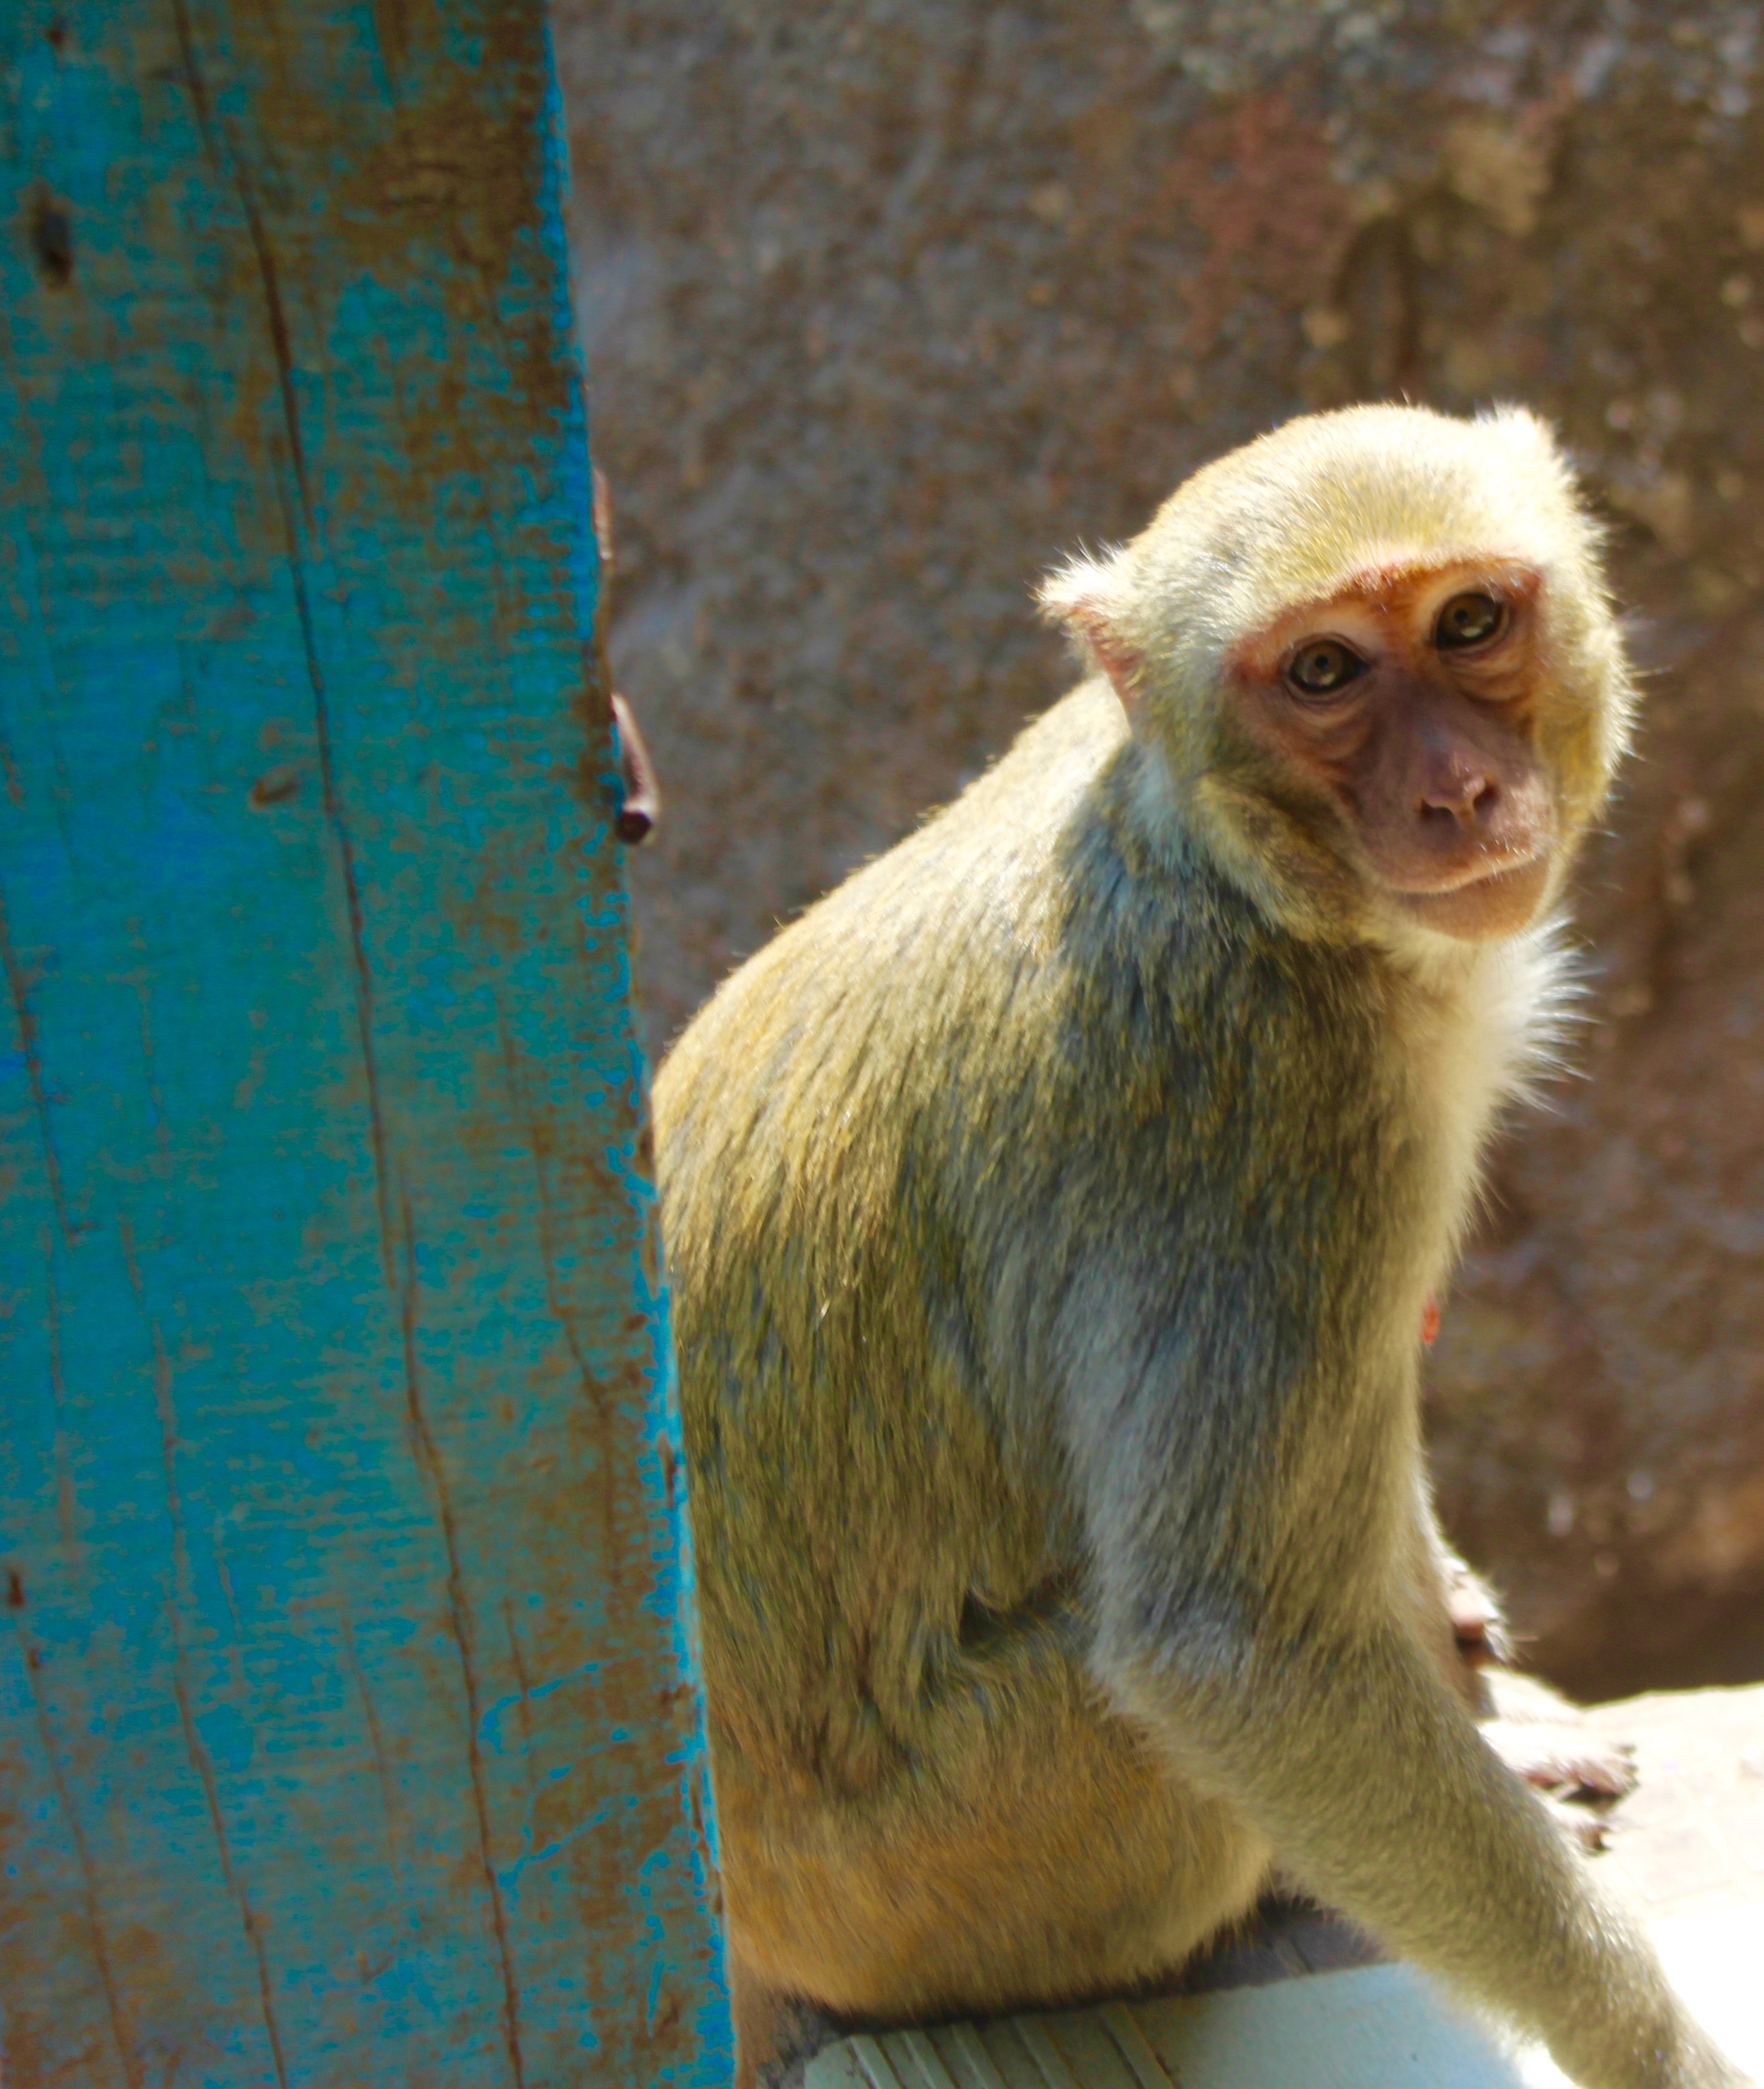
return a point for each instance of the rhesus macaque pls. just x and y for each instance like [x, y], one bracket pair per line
[1052, 1213]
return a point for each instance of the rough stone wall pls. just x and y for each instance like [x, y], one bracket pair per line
[889, 302]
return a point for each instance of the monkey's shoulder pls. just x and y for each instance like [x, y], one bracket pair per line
[1041, 948]
[910, 941]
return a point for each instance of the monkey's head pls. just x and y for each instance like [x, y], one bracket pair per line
[1373, 661]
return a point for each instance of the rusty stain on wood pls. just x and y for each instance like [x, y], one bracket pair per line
[348, 1732]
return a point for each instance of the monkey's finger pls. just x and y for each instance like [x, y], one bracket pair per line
[1482, 1642]
[1591, 1830]
[602, 512]
[640, 810]
[1479, 1623]
[1564, 1759]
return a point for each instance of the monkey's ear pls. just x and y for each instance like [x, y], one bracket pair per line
[1081, 598]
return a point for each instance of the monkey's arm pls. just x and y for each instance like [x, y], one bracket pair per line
[1295, 1686]
[1379, 1795]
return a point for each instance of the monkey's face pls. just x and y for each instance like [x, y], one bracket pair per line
[1374, 653]
[1405, 708]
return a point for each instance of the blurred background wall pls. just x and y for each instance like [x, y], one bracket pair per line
[889, 302]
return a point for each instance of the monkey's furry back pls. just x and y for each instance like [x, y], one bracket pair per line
[908, 1157]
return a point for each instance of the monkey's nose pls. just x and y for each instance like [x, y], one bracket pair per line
[1465, 796]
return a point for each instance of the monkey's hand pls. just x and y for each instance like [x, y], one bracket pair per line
[1540, 1736]
[1550, 1743]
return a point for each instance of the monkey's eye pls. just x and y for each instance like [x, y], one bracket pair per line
[1468, 619]
[1322, 666]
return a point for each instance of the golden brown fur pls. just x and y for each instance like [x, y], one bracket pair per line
[1051, 1213]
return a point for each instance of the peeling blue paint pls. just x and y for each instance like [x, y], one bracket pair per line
[342, 1615]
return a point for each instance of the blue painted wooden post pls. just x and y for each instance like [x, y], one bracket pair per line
[346, 1728]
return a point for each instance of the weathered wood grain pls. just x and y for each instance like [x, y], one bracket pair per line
[347, 1734]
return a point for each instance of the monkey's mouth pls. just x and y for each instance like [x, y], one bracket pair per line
[1492, 870]
[1481, 903]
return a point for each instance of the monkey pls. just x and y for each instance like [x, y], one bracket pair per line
[1051, 1213]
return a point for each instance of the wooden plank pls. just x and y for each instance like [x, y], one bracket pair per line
[1385, 2026]
[1376, 2028]
[347, 1733]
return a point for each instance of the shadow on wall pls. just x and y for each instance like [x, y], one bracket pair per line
[889, 304]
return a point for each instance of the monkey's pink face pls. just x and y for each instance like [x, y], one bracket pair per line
[1409, 699]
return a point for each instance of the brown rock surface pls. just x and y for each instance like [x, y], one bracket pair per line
[890, 301]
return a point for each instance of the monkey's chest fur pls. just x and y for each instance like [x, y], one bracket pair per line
[1033, 1148]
